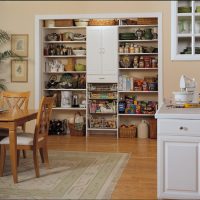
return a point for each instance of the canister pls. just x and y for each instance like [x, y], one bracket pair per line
[142, 129]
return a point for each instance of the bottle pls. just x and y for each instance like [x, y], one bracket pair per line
[142, 129]
[141, 62]
[132, 50]
[126, 49]
[121, 105]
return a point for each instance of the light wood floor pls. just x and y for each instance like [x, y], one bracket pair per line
[138, 180]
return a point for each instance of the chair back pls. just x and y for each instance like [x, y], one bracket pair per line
[43, 119]
[15, 101]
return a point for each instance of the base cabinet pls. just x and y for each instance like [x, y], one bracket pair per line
[178, 167]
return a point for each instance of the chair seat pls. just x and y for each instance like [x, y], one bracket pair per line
[22, 139]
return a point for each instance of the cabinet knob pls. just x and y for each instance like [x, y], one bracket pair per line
[183, 128]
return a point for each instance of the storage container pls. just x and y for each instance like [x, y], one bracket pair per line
[143, 129]
[63, 22]
[127, 131]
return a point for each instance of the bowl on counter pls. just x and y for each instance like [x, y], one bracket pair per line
[183, 97]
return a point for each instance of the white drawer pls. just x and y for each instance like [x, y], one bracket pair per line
[178, 127]
[102, 78]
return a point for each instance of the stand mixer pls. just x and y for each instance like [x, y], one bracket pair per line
[188, 92]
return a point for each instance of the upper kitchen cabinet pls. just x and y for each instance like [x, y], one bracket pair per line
[102, 56]
[185, 30]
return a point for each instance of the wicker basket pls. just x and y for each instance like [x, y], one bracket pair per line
[77, 129]
[127, 132]
[131, 21]
[64, 22]
[103, 22]
[147, 21]
[75, 132]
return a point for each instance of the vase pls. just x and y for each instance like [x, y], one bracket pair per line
[148, 34]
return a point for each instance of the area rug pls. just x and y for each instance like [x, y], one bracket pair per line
[72, 175]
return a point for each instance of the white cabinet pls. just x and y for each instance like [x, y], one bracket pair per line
[178, 167]
[185, 27]
[178, 153]
[102, 57]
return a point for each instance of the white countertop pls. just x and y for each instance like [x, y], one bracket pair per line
[165, 112]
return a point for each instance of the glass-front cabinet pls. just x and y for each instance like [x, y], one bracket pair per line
[185, 30]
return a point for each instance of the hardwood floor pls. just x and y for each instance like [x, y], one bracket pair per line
[138, 180]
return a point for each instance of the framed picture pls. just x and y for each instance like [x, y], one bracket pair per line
[19, 44]
[19, 71]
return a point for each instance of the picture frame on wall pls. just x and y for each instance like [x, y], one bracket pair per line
[19, 71]
[19, 44]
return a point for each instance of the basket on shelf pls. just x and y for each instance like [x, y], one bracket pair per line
[64, 22]
[77, 128]
[102, 22]
[147, 21]
[127, 131]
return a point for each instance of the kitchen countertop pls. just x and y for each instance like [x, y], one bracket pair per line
[167, 112]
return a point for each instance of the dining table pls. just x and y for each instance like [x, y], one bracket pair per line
[10, 120]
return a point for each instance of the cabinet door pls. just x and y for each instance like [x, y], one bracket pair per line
[109, 50]
[94, 50]
[178, 163]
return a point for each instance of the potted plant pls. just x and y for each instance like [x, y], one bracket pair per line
[4, 38]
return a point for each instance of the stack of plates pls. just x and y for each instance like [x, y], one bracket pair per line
[127, 36]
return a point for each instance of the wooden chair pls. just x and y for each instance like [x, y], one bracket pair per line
[30, 141]
[15, 102]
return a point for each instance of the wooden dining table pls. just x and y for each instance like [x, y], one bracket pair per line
[10, 121]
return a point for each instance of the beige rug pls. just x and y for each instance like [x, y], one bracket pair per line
[73, 175]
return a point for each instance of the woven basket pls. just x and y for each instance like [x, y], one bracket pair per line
[63, 22]
[102, 22]
[77, 129]
[75, 132]
[127, 132]
[147, 21]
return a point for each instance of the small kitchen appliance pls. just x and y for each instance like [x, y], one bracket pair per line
[188, 92]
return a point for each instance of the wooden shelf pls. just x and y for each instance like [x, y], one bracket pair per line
[137, 115]
[64, 42]
[64, 89]
[138, 92]
[103, 113]
[66, 56]
[130, 26]
[138, 40]
[138, 69]
[68, 27]
[66, 72]
[60, 108]
[138, 53]
[102, 129]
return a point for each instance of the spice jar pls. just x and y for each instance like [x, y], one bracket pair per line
[121, 49]
[141, 62]
[136, 48]
[154, 63]
[126, 49]
[132, 50]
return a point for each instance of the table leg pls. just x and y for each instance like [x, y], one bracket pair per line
[13, 154]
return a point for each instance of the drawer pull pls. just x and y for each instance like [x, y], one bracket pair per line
[183, 128]
[102, 78]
